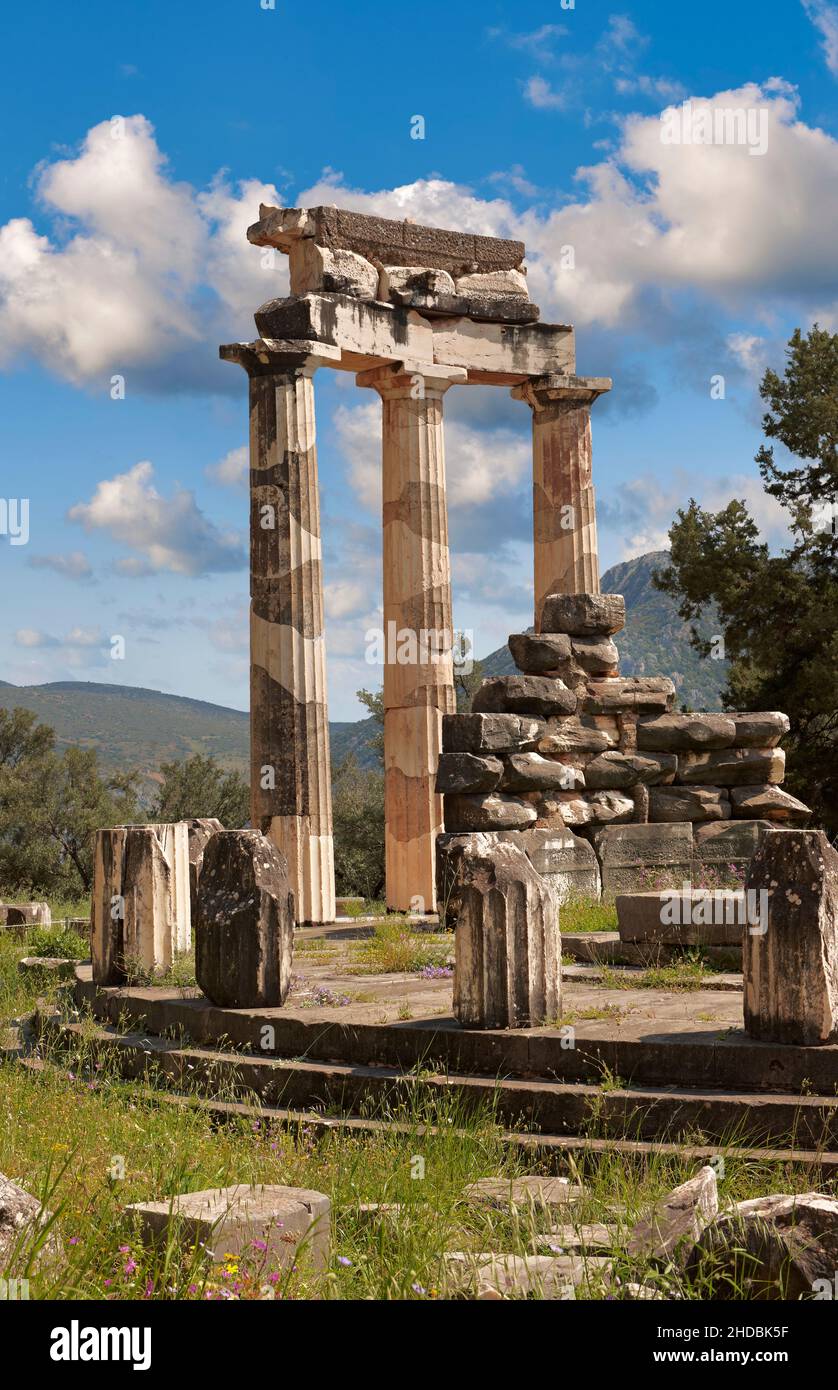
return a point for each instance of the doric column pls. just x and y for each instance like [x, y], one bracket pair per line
[290, 772]
[418, 623]
[564, 509]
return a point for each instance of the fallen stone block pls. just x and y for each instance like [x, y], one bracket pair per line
[25, 915]
[578, 735]
[318, 270]
[244, 927]
[493, 282]
[47, 967]
[672, 733]
[614, 694]
[467, 772]
[505, 1194]
[484, 1275]
[565, 859]
[536, 695]
[614, 769]
[571, 1240]
[24, 1230]
[533, 772]
[636, 857]
[584, 615]
[491, 811]
[507, 947]
[771, 802]
[682, 917]
[727, 845]
[489, 733]
[732, 766]
[425, 281]
[680, 803]
[292, 1222]
[534, 654]
[776, 1247]
[762, 729]
[598, 656]
[790, 968]
[669, 1232]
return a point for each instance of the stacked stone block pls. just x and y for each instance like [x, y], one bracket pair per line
[568, 745]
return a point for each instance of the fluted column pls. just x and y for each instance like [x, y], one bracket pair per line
[418, 624]
[566, 560]
[290, 771]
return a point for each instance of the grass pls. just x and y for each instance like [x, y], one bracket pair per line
[686, 974]
[394, 948]
[587, 915]
[88, 1144]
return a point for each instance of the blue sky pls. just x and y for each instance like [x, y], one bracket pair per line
[122, 252]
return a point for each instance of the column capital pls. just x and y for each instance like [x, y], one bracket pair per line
[399, 379]
[541, 392]
[279, 356]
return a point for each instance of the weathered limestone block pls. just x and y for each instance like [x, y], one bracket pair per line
[21, 1216]
[628, 693]
[490, 812]
[25, 915]
[598, 656]
[674, 732]
[317, 270]
[532, 1191]
[728, 844]
[790, 967]
[565, 859]
[771, 802]
[532, 772]
[682, 917]
[485, 1275]
[507, 947]
[523, 695]
[415, 279]
[732, 767]
[616, 769]
[199, 829]
[762, 729]
[668, 1233]
[493, 282]
[777, 1247]
[290, 1224]
[136, 914]
[597, 808]
[535, 654]
[466, 772]
[244, 930]
[391, 241]
[688, 803]
[585, 734]
[635, 857]
[584, 615]
[489, 733]
[174, 839]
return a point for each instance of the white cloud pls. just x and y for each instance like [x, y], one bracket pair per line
[824, 16]
[233, 470]
[640, 511]
[166, 534]
[75, 565]
[118, 283]
[77, 639]
[539, 93]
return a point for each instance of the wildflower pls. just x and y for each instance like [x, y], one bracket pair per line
[259, 1245]
[74, 1240]
[342, 1260]
[130, 1267]
[417, 1288]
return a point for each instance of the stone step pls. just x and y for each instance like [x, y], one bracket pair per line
[723, 1058]
[556, 1107]
[551, 1151]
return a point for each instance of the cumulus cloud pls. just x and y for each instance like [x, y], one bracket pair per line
[164, 534]
[74, 565]
[233, 470]
[121, 281]
[78, 639]
[636, 515]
